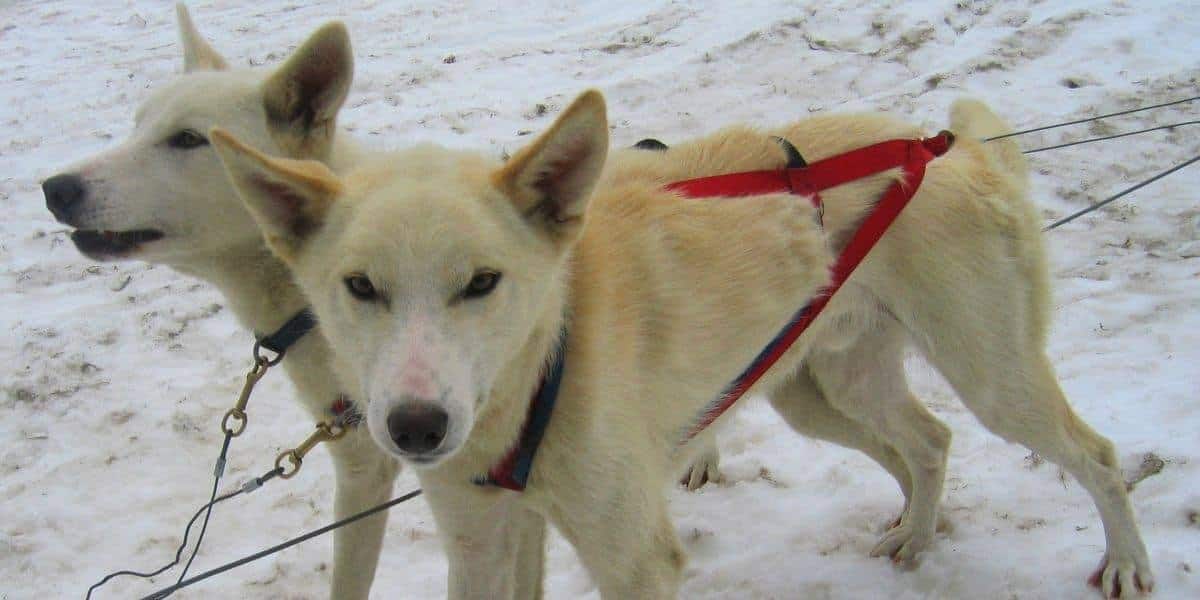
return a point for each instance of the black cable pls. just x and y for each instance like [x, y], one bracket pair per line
[203, 529]
[1097, 118]
[163, 593]
[1108, 137]
[213, 500]
[1097, 205]
[178, 552]
[218, 471]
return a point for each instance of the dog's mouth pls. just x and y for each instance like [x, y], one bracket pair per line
[112, 244]
[425, 459]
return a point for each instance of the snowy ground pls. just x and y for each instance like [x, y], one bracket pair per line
[115, 374]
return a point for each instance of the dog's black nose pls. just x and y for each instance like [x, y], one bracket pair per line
[63, 194]
[417, 428]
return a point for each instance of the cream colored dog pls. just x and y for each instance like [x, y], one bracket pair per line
[443, 280]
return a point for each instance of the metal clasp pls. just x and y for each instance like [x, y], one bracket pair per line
[237, 414]
[326, 432]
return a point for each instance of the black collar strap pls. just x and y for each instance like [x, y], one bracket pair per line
[296, 327]
[652, 144]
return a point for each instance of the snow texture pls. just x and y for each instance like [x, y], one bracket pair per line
[115, 375]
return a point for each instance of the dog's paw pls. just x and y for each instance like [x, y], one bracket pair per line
[1123, 578]
[944, 524]
[902, 545]
[702, 471]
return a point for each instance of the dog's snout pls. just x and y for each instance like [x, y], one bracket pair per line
[64, 193]
[417, 428]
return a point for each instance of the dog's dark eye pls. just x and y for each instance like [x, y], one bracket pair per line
[482, 284]
[186, 140]
[360, 287]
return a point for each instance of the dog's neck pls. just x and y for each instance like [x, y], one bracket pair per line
[257, 285]
[263, 295]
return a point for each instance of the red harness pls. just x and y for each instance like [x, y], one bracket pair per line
[513, 469]
[909, 155]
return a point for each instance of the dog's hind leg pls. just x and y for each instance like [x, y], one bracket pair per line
[802, 405]
[1003, 376]
[866, 383]
[364, 477]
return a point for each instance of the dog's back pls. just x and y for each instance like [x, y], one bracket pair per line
[743, 148]
[976, 185]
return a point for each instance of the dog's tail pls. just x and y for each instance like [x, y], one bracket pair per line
[973, 119]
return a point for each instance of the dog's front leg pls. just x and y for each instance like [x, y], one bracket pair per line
[530, 535]
[494, 545]
[624, 536]
[364, 476]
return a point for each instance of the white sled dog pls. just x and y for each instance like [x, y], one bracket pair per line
[448, 281]
[162, 197]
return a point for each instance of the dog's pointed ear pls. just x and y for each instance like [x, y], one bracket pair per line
[288, 198]
[198, 55]
[551, 180]
[303, 96]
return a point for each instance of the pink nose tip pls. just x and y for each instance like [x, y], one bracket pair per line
[418, 385]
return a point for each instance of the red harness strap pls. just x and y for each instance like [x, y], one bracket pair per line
[910, 155]
[821, 175]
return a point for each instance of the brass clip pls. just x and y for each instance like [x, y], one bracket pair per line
[326, 432]
[238, 412]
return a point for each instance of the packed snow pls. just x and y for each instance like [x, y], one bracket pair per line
[117, 374]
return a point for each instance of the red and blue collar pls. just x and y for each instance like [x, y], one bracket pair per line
[512, 472]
